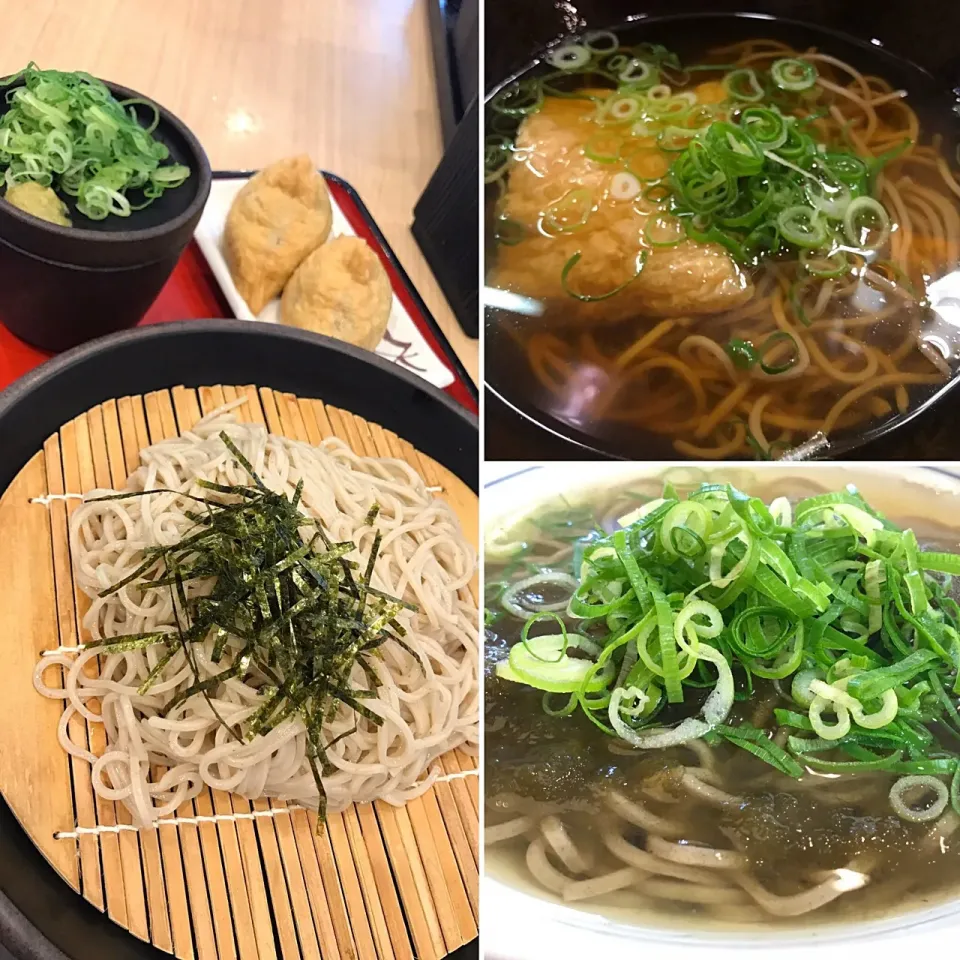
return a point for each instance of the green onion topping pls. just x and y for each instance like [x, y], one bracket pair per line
[825, 597]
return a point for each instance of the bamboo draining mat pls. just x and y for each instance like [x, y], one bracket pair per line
[380, 882]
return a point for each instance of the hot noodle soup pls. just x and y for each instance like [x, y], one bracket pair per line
[704, 705]
[739, 252]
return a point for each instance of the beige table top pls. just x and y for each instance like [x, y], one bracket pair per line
[349, 81]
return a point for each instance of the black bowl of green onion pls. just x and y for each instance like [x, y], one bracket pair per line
[125, 182]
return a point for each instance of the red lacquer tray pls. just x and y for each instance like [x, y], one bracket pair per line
[192, 293]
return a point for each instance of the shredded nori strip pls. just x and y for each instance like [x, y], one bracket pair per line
[303, 613]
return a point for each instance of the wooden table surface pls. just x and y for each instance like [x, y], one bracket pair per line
[351, 82]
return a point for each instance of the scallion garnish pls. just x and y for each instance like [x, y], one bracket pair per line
[793, 74]
[68, 131]
[826, 597]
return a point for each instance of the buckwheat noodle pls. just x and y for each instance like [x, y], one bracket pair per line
[429, 703]
[630, 849]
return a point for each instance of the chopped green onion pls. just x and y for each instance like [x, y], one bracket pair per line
[67, 131]
[742, 353]
[767, 126]
[587, 298]
[802, 227]
[780, 336]
[863, 216]
[743, 84]
[793, 74]
[733, 149]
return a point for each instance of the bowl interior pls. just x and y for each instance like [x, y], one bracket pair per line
[511, 492]
[508, 372]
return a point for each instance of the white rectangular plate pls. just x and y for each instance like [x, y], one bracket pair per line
[402, 344]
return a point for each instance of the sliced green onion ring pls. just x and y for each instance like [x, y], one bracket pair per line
[743, 84]
[793, 74]
[510, 597]
[638, 74]
[831, 200]
[569, 56]
[908, 785]
[857, 219]
[601, 41]
[518, 98]
[663, 230]
[831, 265]
[619, 108]
[673, 139]
[802, 226]
[778, 337]
[624, 186]
[570, 212]
[604, 147]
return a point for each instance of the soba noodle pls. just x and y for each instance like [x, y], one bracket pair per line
[868, 346]
[426, 695]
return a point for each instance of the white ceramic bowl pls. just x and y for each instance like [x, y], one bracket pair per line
[519, 926]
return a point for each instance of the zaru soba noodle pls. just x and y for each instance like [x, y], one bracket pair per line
[725, 706]
[740, 254]
[274, 619]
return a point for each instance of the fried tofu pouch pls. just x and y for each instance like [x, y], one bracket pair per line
[687, 279]
[340, 290]
[279, 217]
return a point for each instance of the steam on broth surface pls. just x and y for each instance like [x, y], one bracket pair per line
[788, 808]
[739, 252]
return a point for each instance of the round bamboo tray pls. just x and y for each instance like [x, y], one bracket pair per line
[225, 878]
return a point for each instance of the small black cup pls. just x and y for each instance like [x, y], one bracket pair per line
[60, 286]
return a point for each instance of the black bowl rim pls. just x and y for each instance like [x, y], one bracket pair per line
[116, 237]
[41, 903]
[590, 444]
[876, 49]
[51, 369]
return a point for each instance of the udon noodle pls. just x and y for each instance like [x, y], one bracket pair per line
[426, 691]
[856, 349]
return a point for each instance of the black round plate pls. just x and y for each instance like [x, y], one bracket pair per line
[40, 917]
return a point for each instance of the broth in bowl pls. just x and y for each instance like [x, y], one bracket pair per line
[738, 250]
[727, 703]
